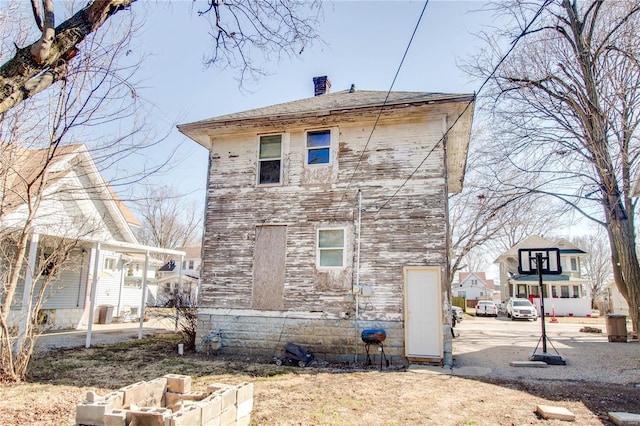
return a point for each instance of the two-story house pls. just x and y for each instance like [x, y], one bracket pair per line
[106, 271]
[473, 286]
[180, 280]
[326, 216]
[565, 294]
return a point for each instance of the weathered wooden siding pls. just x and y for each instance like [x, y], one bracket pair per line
[406, 230]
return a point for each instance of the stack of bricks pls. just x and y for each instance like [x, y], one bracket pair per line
[168, 401]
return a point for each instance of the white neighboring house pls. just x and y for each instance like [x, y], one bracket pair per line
[169, 283]
[474, 286]
[566, 294]
[614, 302]
[78, 204]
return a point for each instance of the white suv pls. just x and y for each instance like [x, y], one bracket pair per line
[521, 308]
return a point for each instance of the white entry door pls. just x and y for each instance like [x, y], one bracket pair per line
[423, 312]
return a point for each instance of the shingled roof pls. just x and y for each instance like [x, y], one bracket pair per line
[338, 101]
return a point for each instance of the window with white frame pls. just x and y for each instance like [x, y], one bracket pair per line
[109, 264]
[574, 264]
[319, 147]
[191, 264]
[270, 160]
[331, 247]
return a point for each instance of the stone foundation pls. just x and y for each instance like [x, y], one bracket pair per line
[330, 339]
[168, 401]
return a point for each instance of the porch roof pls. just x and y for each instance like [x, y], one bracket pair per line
[545, 278]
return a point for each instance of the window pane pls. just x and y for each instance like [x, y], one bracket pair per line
[331, 257]
[270, 171]
[574, 264]
[564, 291]
[318, 139]
[318, 156]
[331, 238]
[270, 146]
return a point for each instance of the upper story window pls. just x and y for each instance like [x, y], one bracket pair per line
[270, 160]
[319, 147]
[191, 264]
[574, 264]
[331, 248]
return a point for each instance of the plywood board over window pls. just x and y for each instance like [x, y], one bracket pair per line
[269, 257]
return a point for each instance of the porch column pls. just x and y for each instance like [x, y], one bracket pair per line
[94, 293]
[25, 313]
[178, 293]
[143, 302]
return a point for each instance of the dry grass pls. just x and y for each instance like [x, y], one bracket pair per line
[335, 395]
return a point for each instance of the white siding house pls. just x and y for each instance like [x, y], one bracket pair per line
[328, 215]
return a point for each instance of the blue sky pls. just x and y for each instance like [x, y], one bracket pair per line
[364, 44]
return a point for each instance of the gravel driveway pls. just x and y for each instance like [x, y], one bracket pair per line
[485, 347]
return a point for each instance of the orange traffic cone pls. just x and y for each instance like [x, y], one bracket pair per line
[553, 316]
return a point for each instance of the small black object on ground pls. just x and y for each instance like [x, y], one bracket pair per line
[295, 355]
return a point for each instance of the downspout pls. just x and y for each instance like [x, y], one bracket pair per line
[357, 293]
[94, 292]
[80, 279]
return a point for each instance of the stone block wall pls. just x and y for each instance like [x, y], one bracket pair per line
[168, 401]
[328, 339]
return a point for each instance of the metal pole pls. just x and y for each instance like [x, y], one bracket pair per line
[143, 301]
[544, 331]
[355, 358]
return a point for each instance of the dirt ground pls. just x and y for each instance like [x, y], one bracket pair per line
[321, 395]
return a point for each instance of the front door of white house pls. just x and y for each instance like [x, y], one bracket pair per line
[423, 312]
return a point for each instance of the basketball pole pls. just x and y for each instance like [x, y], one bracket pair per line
[544, 328]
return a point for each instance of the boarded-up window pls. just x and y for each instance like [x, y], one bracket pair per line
[269, 267]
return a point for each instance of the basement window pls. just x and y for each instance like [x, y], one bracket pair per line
[319, 147]
[331, 248]
[270, 160]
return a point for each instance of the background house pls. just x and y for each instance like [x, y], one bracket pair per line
[107, 266]
[180, 279]
[475, 286]
[328, 215]
[566, 294]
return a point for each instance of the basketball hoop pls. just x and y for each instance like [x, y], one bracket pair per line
[541, 261]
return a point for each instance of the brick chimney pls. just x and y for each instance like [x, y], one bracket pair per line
[321, 85]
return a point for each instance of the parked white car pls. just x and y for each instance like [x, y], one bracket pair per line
[486, 308]
[521, 309]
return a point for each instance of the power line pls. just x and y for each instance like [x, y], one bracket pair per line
[484, 83]
[384, 103]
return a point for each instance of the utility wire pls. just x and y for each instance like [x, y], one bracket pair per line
[386, 99]
[484, 83]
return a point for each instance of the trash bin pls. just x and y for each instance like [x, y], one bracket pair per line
[616, 328]
[105, 315]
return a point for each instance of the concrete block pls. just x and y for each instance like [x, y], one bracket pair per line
[228, 417]
[115, 398]
[134, 394]
[91, 413]
[555, 413]
[188, 416]
[244, 421]
[116, 417]
[535, 364]
[228, 394]
[244, 392]
[624, 419]
[178, 383]
[244, 409]
[155, 390]
[211, 408]
[149, 416]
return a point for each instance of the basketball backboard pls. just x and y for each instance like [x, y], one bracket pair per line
[528, 261]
